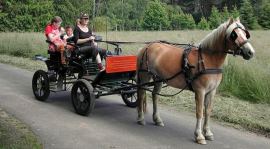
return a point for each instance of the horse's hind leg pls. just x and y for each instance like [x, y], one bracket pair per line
[141, 101]
[141, 94]
[156, 117]
[208, 108]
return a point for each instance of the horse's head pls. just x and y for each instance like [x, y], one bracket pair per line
[237, 39]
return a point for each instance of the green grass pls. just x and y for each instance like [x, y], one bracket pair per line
[22, 44]
[16, 135]
[228, 110]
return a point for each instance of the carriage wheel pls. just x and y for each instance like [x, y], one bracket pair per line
[40, 85]
[130, 99]
[82, 96]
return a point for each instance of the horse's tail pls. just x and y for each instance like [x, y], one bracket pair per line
[144, 105]
[140, 64]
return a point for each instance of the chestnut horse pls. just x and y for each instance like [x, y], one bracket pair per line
[161, 61]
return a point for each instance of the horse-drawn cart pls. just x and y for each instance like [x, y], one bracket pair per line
[82, 76]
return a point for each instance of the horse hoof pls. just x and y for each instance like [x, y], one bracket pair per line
[202, 142]
[141, 122]
[210, 138]
[160, 124]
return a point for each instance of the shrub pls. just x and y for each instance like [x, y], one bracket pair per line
[100, 24]
[203, 24]
[155, 17]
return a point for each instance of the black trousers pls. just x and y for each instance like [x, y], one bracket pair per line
[88, 51]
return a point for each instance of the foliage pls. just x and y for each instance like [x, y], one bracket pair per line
[264, 16]
[235, 13]
[203, 24]
[182, 21]
[215, 18]
[28, 15]
[69, 10]
[247, 16]
[225, 14]
[155, 17]
[33, 15]
[101, 24]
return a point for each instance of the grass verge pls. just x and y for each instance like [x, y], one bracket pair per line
[14, 134]
[228, 109]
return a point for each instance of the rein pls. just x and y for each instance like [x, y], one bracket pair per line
[138, 42]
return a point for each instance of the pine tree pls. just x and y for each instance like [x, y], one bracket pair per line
[203, 24]
[235, 13]
[225, 14]
[155, 17]
[264, 16]
[247, 16]
[215, 18]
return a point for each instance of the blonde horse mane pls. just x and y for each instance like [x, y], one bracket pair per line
[212, 41]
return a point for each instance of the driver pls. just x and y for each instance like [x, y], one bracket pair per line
[84, 38]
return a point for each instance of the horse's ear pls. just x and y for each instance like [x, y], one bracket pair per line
[237, 19]
[230, 21]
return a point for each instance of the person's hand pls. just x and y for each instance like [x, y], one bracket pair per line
[92, 38]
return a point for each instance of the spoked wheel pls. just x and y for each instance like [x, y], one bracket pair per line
[40, 85]
[82, 96]
[130, 99]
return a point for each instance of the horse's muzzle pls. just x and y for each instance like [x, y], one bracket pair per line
[247, 51]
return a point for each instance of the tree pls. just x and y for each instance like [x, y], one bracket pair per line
[215, 18]
[27, 15]
[101, 24]
[155, 17]
[264, 16]
[235, 13]
[203, 24]
[225, 14]
[247, 16]
[69, 10]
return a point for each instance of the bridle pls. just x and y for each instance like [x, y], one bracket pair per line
[232, 36]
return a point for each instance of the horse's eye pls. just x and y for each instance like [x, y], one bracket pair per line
[233, 36]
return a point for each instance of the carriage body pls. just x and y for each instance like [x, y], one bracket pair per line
[81, 76]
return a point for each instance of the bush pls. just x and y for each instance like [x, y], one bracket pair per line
[248, 18]
[203, 24]
[155, 17]
[182, 21]
[100, 24]
[264, 16]
[215, 18]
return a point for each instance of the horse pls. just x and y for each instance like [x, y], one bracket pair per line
[197, 68]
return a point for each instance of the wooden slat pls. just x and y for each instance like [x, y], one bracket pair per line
[121, 63]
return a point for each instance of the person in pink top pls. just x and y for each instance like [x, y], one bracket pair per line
[52, 32]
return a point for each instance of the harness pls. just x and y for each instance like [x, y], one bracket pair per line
[186, 69]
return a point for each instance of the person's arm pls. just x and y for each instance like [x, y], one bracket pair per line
[80, 41]
[53, 37]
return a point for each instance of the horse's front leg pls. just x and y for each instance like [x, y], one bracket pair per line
[156, 117]
[199, 97]
[208, 108]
